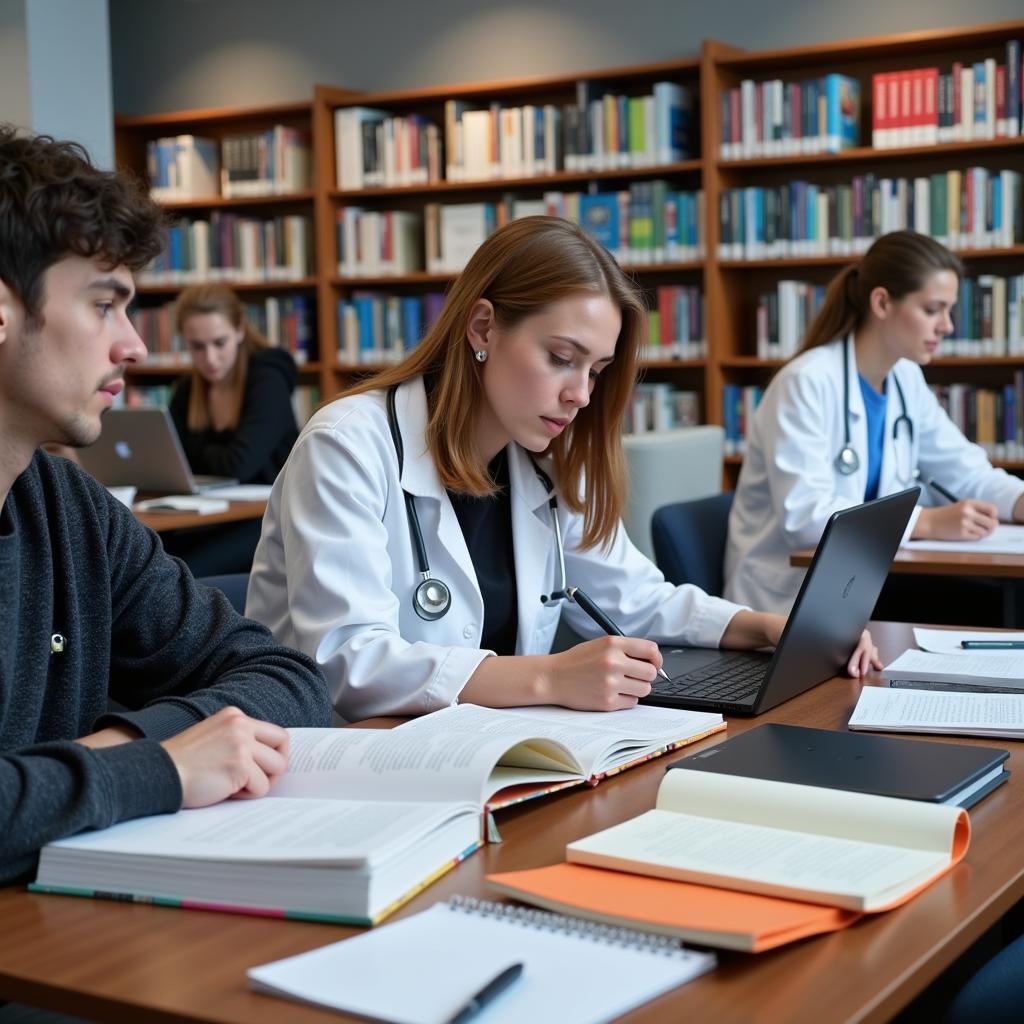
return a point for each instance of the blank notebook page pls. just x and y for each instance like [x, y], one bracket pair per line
[422, 969]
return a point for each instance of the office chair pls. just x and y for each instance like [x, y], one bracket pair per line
[689, 541]
[665, 467]
[233, 585]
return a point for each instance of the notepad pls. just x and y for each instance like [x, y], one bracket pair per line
[422, 969]
[184, 503]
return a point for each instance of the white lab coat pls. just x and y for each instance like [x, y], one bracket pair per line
[335, 570]
[789, 485]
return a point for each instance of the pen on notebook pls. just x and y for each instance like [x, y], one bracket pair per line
[992, 645]
[486, 995]
[577, 595]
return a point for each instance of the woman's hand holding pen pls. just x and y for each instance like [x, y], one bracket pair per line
[967, 519]
[606, 674]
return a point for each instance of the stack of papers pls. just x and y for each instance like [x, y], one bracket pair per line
[969, 714]
[944, 664]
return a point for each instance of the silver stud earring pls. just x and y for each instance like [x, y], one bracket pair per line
[481, 355]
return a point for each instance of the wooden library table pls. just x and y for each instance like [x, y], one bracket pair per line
[941, 563]
[236, 511]
[126, 962]
[1005, 569]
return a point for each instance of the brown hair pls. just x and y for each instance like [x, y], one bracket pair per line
[900, 262]
[521, 269]
[198, 300]
[54, 204]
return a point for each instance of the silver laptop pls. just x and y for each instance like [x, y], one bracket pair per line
[833, 606]
[141, 448]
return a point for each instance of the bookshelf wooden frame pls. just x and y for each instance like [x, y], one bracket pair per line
[727, 283]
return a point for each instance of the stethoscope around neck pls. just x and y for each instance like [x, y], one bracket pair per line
[432, 597]
[847, 461]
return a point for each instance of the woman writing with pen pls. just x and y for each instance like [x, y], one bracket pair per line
[424, 536]
[851, 418]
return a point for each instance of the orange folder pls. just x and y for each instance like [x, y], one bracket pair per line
[694, 913]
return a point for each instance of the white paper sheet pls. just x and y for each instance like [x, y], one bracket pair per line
[947, 641]
[1006, 539]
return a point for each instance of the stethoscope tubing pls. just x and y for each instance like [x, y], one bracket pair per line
[847, 461]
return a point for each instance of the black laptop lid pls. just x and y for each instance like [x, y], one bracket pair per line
[837, 595]
[927, 770]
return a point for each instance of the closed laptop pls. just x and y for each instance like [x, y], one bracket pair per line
[945, 773]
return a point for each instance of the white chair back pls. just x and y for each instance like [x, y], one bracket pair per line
[665, 467]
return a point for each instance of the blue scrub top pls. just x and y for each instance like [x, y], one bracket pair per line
[875, 406]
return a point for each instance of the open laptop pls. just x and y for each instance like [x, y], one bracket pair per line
[833, 606]
[140, 448]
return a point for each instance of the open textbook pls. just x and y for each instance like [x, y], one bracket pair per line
[848, 850]
[364, 818]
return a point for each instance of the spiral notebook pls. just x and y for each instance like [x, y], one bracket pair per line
[422, 969]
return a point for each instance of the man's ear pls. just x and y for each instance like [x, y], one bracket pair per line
[5, 311]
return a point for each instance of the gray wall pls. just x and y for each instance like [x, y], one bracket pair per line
[55, 71]
[69, 72]
[177, 54]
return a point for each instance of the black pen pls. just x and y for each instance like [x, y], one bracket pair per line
[487, 994]
[577, 595]
[939, 489]
[992, 645]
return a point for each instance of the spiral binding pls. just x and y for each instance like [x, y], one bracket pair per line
[594, 931]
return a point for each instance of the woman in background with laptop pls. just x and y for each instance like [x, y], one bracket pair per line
[851, 418]
[431, 525]
[233, 414]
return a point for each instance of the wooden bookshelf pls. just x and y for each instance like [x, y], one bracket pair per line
[561, 90]
[131, 136]
[732, 285]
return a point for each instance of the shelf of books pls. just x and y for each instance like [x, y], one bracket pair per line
[732, 186]
[238, 187]
[819, 150]
[420, 178]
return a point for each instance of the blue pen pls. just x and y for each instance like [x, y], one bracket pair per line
[487, 994]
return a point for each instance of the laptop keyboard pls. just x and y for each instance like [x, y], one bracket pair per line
[735, 679]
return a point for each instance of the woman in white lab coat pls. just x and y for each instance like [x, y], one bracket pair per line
[500, 436]
[850, 418]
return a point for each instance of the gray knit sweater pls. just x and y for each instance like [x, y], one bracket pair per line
[135, 628]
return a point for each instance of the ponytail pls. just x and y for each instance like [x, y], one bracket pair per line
[900, 262]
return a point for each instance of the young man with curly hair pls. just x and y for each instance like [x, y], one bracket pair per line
[91, 608]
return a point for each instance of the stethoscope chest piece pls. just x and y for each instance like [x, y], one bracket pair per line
[847, 461]
[431, 599]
